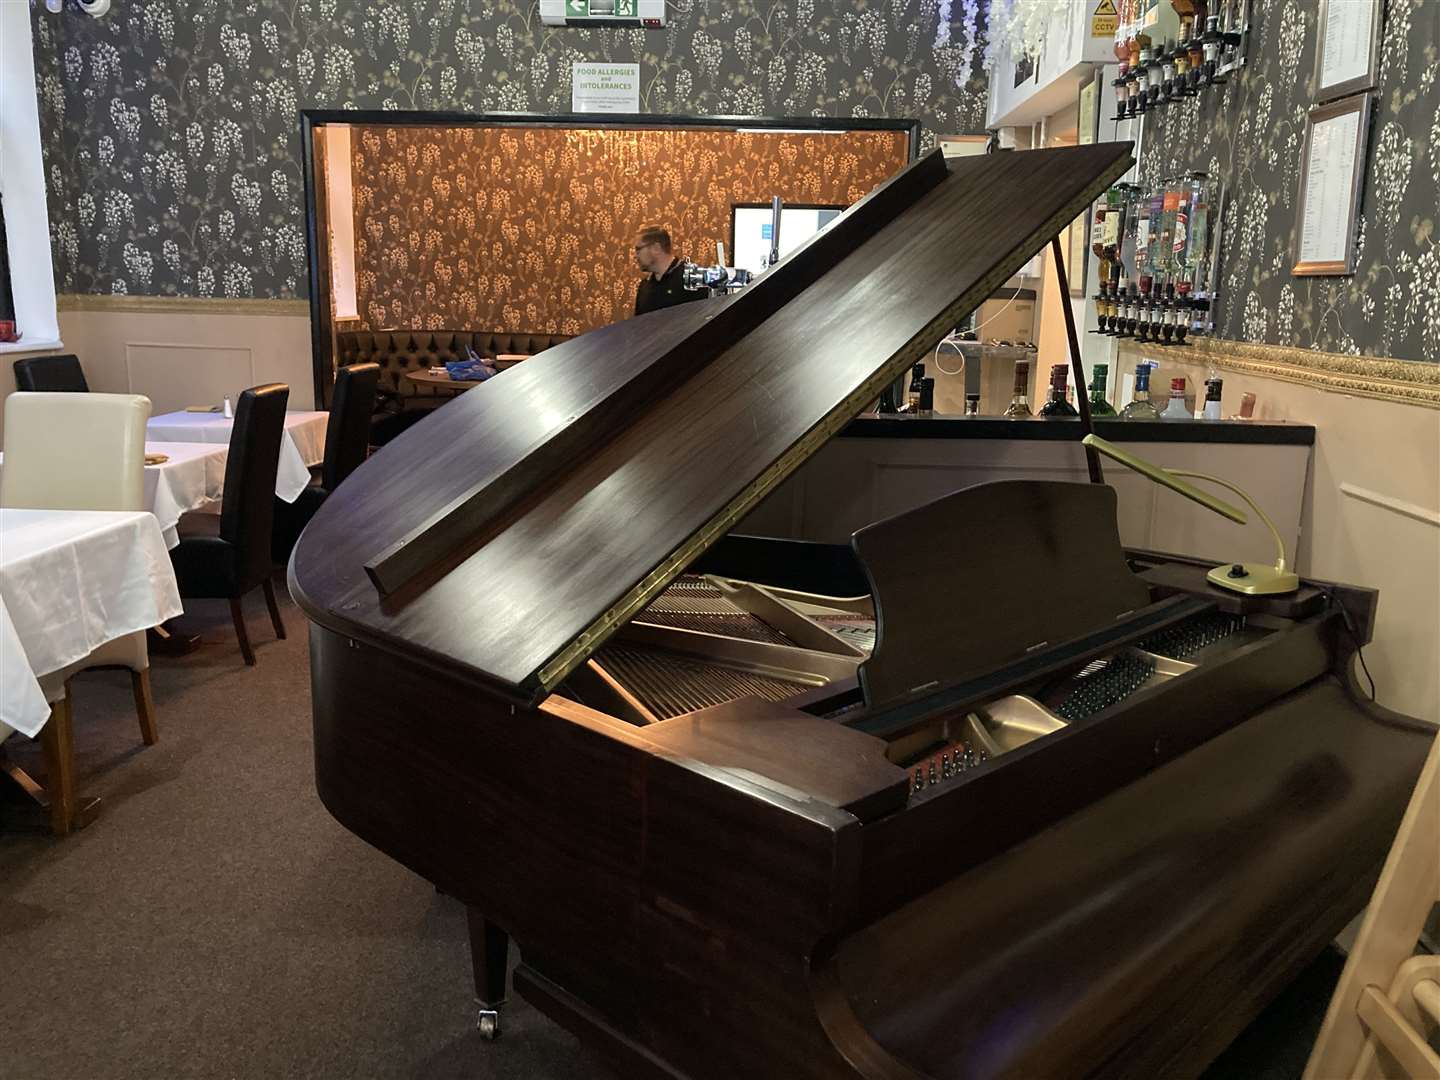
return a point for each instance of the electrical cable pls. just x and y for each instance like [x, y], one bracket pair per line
[949, 339]
[1355, 638]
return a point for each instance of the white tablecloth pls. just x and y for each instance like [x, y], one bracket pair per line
[71, 580]
[302, 446]
[193, 479]
[22, 704]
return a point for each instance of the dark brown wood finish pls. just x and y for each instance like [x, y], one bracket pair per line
[990, 537]
[570, 562]
[750, 890]
[1152, 925]
[1071, 768]
[683, 905]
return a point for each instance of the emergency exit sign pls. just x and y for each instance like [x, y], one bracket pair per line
[645, 13]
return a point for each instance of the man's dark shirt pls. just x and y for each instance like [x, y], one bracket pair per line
[667, 291]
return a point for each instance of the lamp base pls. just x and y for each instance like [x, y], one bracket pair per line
[1253, 579]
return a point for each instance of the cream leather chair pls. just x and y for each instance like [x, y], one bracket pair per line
[81, 452]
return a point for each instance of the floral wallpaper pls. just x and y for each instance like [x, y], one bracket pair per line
[1252, 135]
[172, 138]
[532, 229]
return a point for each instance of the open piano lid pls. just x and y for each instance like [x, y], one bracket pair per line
[508, 535]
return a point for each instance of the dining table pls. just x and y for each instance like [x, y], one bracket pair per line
[180, 477]
[70, 582]
[302, 445]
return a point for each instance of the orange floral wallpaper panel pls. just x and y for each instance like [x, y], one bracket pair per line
[530, 229]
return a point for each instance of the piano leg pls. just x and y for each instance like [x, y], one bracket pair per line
[490, 955]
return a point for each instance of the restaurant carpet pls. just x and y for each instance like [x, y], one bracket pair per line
[215, 921]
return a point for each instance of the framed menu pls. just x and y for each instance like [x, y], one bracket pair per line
[1348, 57]
[1077, 261]
[1330, 173]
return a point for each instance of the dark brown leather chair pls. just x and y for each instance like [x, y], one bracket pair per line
[347, 441]
[236, 561]
[52, 374]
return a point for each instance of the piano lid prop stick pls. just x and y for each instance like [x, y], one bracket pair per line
[1082, 399]
[1252, 579]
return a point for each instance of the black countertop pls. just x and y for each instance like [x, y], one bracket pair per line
[1065, 429]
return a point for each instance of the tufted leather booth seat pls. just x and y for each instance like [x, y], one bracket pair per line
[400, 402]
[399, 351]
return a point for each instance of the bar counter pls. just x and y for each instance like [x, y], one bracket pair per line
[1063, 429]
[879, 466]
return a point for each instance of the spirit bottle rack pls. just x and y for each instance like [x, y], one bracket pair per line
[1211, 43]
[1158, 249]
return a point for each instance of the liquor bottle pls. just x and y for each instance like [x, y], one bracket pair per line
[927, 398]
[1186, 10]
[1183, 313]
[1138, 44]
[1142, 81]
[1181, 58]
[1056, 405]
[1020, 396]
[1125, 261]
[1140, 407]
[1155, 73]
[1122, 90]
[1176, 409]
[912, 396]
[1168, 58]
[1213, 387]
[1210, 45]
[1144, 319]
[1099, 385]
[1232, 25]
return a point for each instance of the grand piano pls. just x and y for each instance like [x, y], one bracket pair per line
[979, 794]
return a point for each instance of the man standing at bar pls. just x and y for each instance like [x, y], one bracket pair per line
[664, 282]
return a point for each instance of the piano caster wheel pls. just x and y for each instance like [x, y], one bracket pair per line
[488, 1021]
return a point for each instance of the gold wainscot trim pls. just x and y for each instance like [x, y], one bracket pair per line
[178, 305]
[1408, 382]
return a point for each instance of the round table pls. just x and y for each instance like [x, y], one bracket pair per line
[442, 381]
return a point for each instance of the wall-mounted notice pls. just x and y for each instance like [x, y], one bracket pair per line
[605, 88]
[1349, 47]
[1330, 186]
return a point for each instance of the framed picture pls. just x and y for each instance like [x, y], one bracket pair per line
[1087, 130]
[1348, 57]
[1331, 169]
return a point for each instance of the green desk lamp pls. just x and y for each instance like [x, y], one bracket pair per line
[1252, 579]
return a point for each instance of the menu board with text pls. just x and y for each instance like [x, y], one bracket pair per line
[1349, 38]
[1329, 187]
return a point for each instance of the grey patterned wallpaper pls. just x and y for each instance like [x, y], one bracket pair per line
[171, 128]
[1252, 135]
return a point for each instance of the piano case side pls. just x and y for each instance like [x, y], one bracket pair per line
[1155, 923]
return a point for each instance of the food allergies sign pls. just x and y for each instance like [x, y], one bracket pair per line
[605, 88]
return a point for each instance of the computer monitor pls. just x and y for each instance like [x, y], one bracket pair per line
[750, 230]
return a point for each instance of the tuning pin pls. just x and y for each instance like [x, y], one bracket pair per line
[934, 776]
[919, 779]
